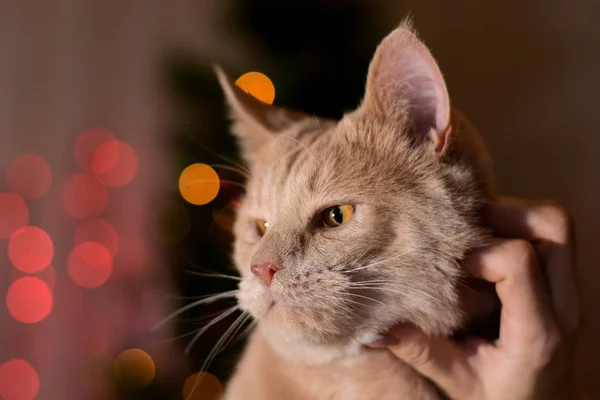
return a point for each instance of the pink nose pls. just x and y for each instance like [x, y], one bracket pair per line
[264, 272]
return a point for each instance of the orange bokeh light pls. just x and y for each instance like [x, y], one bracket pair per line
[135, 368]
[30, 249]
[90, 265]
[18, 380]
[86, 144]
[99, 231]
[84, 196]
[48, 275]
[115, 162]
[29, 175]
[202, 386]
[258, 85]
[14, 213]
[199, 184]
[29, 300]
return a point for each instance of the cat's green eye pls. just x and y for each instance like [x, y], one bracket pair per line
[262, 226]
[338, 215]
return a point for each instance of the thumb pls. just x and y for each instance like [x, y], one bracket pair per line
[437, 358]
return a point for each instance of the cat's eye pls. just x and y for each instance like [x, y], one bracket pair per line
[261, 226]
[338, 215]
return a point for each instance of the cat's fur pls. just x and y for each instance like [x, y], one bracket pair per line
[419, 176]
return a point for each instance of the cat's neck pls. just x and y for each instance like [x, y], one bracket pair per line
[311, 353]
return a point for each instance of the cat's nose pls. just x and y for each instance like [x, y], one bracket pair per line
[265, 272]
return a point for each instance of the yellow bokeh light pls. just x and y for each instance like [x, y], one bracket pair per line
[134, 368]
[199, 184]
[257, 85]
[202, 386]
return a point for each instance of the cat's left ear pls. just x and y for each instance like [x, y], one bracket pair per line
[405, 83]
[254, 122]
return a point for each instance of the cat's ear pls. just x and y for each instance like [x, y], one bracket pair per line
[254, 122]
[405, 82]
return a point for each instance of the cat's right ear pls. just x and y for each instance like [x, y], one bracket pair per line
[254, 122]
[405, 83]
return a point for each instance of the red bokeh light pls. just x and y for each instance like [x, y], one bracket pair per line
[90, 264]
[14, 214]
[99, 231]
[86, 144]
[48, 275]
[29, 175]
[18, 380]
[30, 249]
[115, 162]
[29, 300]
[84, 196]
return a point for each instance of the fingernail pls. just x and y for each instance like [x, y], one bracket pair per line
[382, 341]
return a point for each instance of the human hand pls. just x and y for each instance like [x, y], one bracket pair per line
[534, 278]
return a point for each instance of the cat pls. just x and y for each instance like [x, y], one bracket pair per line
[349, 227]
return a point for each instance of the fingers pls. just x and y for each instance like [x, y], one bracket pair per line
[550, 228]
[437, 358]
[527, 320]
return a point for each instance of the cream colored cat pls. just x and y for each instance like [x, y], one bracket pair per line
[349, 227]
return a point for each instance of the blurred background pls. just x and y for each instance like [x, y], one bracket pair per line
[118, 179]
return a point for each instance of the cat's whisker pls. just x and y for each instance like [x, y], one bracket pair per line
[365, 297]
[205, 300]
[229, 168]
[221, 344]
[222, 157]
[234, 183]
[171, 339]
[208, 273]
[376, 263]
[174, 296]
[220, 276]
[246, 331]
[376, 287]
[201, 331]
[343, 302]
[299, 144]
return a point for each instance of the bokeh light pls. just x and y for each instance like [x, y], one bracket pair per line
[134, 368]
[18, 380]
[29, 300]
[84, 196]
[115, 163]
[29, 175]
[199, 184]
[202, 386]
[99, 231]
[224, 218]
[48, 275]
[30, 249]
[258, 85]
[89, 265]
[86, 144]
[171, 223]
[14, 213]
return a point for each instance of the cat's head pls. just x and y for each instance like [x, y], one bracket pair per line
[348, 227]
